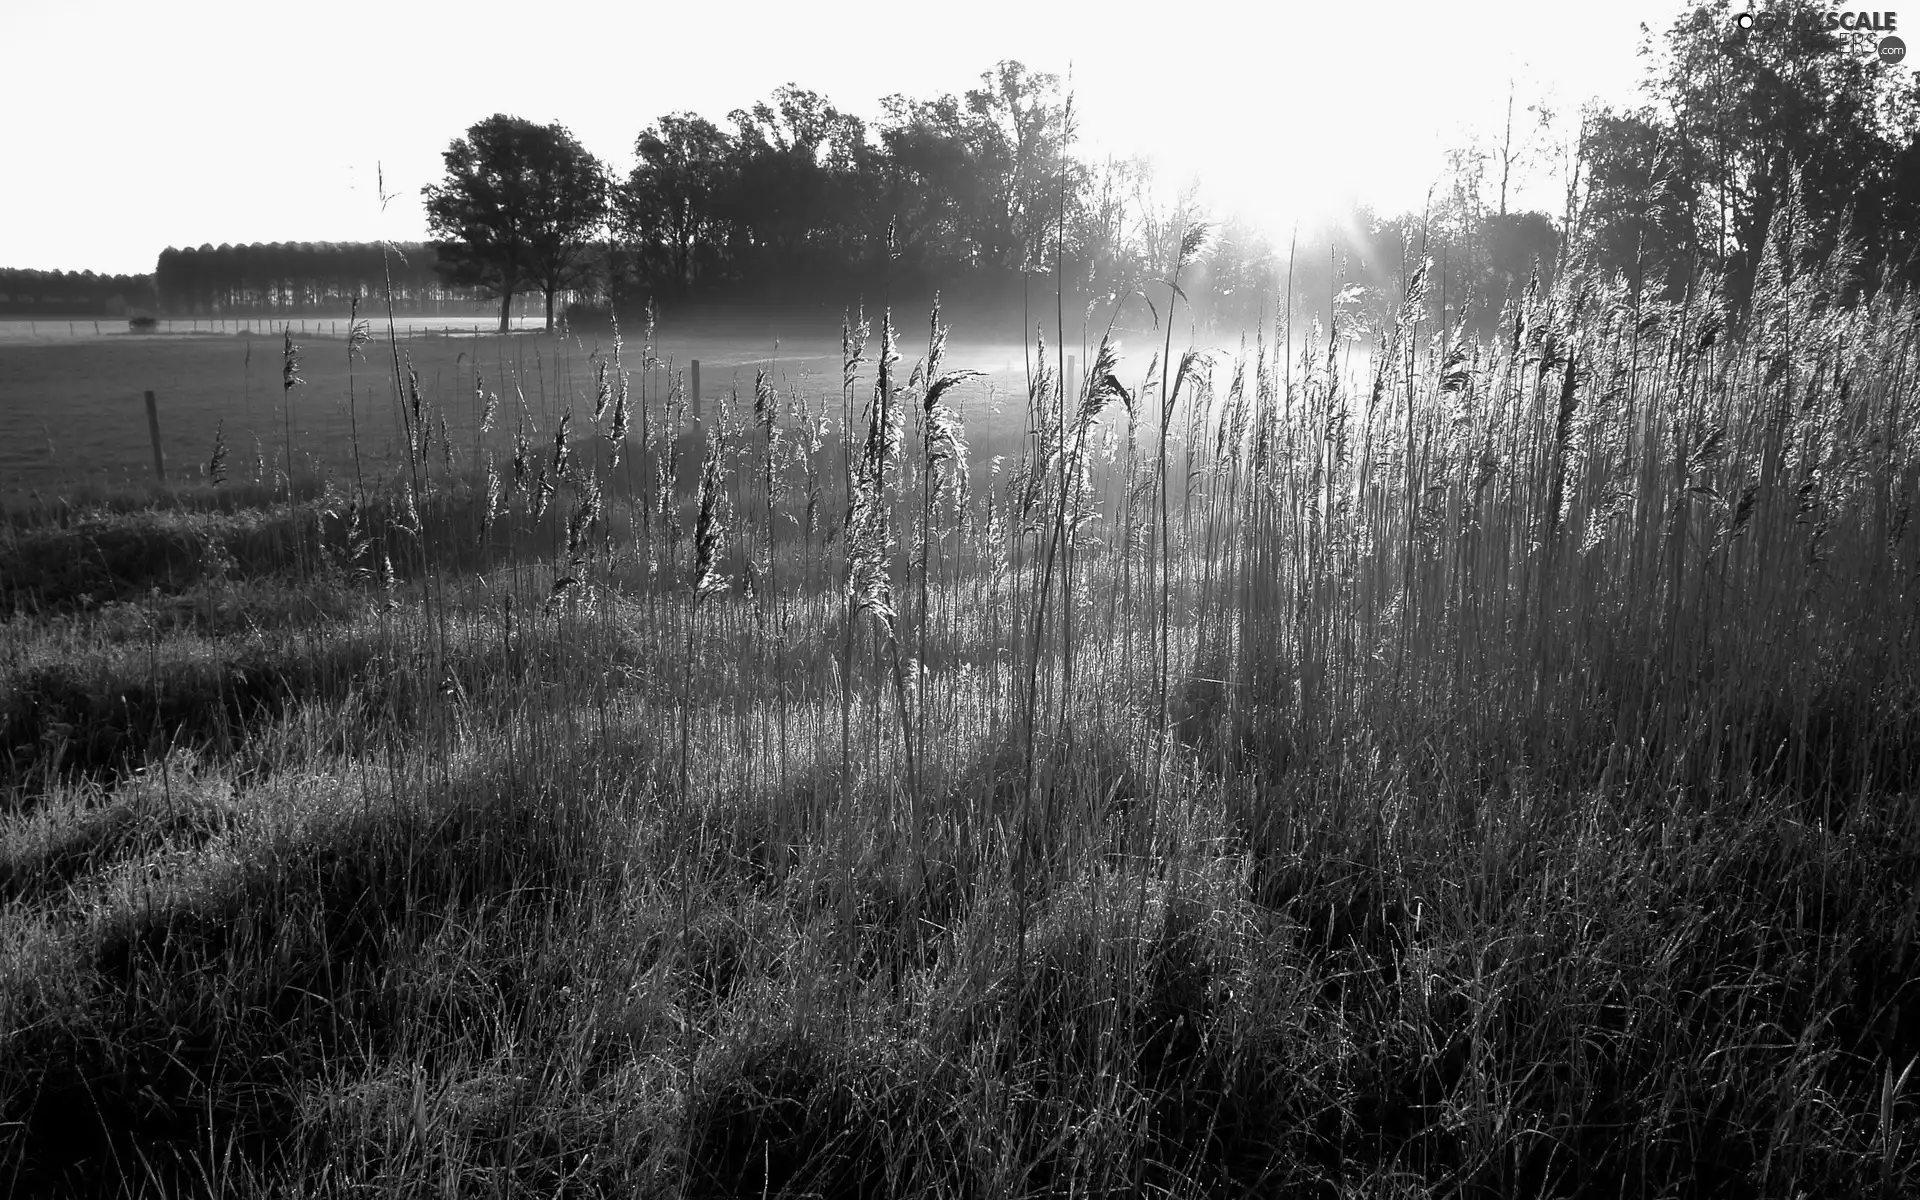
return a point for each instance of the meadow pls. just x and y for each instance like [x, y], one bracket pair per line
[71, 408]
[1490, 773]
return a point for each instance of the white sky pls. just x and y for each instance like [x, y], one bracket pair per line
[132, 126]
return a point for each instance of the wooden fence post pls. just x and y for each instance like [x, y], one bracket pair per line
[693, 397]
[153, 432]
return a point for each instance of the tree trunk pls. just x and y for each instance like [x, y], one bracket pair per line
[1506, 153]
[506, 310]
[550, 292]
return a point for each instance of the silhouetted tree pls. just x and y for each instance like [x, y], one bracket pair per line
[1642, 202]
[520, 207]
[930, 186]
[72, 293]
[277, 276]
[796, 195]
[1735, 122]
[1017, 131]
[669, 206]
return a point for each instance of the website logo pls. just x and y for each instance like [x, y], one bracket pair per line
[1850, 22]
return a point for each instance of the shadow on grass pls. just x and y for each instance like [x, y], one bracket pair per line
[125, 547]
[786, 1116]
[96, 558]
[44, 853]
[204, 1008]
[104, 720]
[66, 722]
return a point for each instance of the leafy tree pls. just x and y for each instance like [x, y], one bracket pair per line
[932, 187]
[799, 190]
[1753, 110]
[1735, 123]
[669, 207]
[520, 207]
[797, 182]
[1018, 127]
[1642, 203]
[1104, 235]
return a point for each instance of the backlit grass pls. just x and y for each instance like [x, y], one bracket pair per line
[1489, 776]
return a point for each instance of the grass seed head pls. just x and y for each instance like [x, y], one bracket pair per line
[602, 390]
[1103, 388]
[1193, 242]
[586, 511]
[562, 452]
[217, 466]
[766, 402]
[709, 528]
[290, 364]
[495, 502]
[489, 402]
[543, 491]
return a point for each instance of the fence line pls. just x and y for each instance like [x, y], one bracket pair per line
[311, 327]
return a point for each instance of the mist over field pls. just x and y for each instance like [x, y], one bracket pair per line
[898, 651]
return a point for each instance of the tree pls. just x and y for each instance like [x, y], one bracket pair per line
[1017, 123]
[1793, 96]
[1642, 205]
[669, 207]
[520, 207]
[931, 186]
[797, 176]
[1737, 122]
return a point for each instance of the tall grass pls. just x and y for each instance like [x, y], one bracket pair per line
[1498, 780]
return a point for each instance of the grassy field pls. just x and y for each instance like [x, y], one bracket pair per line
[1492, 776]
[71, 409]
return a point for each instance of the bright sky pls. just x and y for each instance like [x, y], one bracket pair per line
[132, 126]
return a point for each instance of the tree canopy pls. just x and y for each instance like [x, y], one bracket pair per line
[1737, 124]
[796, 194]
[521, 206]
[794, 198]
[283, 277]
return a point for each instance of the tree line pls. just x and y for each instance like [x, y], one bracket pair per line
[796, 199]
[73, 293]
[303, 277]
